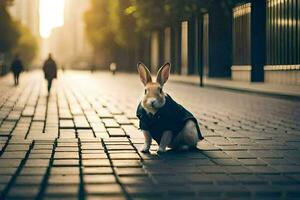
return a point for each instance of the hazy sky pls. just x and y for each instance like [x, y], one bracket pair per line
[51, 16]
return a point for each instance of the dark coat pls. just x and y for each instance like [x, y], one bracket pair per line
[171, 117]
[16, 66]
[50, 69]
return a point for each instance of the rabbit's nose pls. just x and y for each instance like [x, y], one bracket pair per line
[151, 101]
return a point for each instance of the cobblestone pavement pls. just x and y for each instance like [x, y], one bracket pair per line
[82, 143]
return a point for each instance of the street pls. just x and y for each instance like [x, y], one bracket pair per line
[82, 142]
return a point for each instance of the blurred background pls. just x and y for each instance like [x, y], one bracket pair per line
[243, 40]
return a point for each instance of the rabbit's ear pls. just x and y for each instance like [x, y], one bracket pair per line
[163, 74]
[144, 73]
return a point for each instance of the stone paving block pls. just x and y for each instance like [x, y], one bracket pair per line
[294, 176]
[115, 132]
[64, 179]
[103, 113]
[110, 123]
[226, 162]
[65, 170]
[59, 198]
[85, 134]
[248, 178]
[280, 161]
[99, 178]
[105, 197]
[135, 180]
[286, 169]
[97, 170]
[212, 169]
[17, 147]
[2, 187]
[14, 155]
[132, 151]
[237, 169]
[4, 179]
[37, 163]
[103, 189]
[66, 124]
[130, 171]
[101, 134]
[65, 191]
[7, 170]
[67, 144]
[40, 151]
[43, 146]
[181, 192]
[252, 161]
[215, 154]
[66, 155]
[94, 156]
[29, 180]
[124, 156]
[94, 163]
[67, 134]
[116, 140]
[170, 180]
[93, 146]
[66, 162]
[92, 151]
[241, 154]
[144, 191]
[266, 154]
[9, 162]
[126, 163]
[23, 192]
[198, 178]
[121, 119]
[66, 149]
[33, 171]
[119, 147]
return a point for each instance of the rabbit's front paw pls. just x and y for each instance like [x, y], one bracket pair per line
[145, 148]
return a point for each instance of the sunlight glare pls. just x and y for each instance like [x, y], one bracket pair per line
[51, 16]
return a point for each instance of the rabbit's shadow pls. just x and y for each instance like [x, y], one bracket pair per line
[174, 154]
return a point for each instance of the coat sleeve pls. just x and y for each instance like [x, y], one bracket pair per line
[142, 124]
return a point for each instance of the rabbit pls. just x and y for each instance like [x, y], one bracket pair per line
[161, 118]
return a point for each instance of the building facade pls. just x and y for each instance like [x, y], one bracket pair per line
[27, 12]
[253, 40]
[68, 43]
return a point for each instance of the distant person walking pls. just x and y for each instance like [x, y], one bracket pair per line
[113, 68]
[16, 68]
[50, 71]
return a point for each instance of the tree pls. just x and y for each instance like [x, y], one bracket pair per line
[156, 14]
[15, 37]
[122, 24]
[27, 46]
[149, 14]
[97, 23]
[99, 33]
[110, 30]
[9, 33]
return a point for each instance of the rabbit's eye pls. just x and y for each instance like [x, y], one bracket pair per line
[145, 91]
[160, 90]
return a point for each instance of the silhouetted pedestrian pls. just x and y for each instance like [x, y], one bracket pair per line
[50, 71]
[113, 68]
[16, 68]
